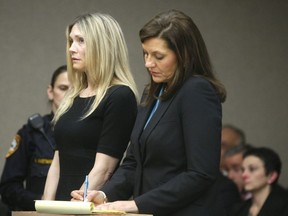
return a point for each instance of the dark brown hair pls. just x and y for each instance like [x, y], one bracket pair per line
[56, 73]
[183, 37]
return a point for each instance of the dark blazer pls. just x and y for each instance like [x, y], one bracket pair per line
[227, 194]
[172, 165]
[275, 204]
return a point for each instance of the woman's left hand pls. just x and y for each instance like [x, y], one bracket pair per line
[127, 206]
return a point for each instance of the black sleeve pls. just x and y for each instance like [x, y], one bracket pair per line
[119, 118]
[15, 172]
[120, 186]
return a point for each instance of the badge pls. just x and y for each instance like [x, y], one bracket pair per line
[14, 145]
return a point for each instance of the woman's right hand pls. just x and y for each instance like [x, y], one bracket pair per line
[97, 197]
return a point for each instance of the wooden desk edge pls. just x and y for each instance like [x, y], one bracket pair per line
[34, 213]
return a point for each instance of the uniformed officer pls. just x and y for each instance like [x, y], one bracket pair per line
[31, 152]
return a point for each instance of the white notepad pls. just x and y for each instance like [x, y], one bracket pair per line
[68, 207]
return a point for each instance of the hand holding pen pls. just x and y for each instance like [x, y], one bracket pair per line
[97, 197]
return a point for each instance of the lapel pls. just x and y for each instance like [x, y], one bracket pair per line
[144, 134]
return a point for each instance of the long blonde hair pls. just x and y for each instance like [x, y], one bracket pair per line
[106, 58]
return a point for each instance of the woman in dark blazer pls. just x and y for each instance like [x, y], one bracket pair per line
[173, 159]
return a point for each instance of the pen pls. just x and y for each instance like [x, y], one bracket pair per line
[86, 183]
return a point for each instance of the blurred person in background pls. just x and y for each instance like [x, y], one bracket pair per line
[230, 136]
[232, 165]
[31, 152]
[261, 170]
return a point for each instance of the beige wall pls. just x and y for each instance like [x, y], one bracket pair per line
[247, 40]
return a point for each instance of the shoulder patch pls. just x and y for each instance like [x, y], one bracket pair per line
[14, 145]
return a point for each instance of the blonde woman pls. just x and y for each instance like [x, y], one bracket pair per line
[93, 124]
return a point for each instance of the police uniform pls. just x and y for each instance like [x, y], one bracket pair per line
[27, 164]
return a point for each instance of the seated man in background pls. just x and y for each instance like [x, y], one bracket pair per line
[232, 165]
[31, 152]
[230, 136]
